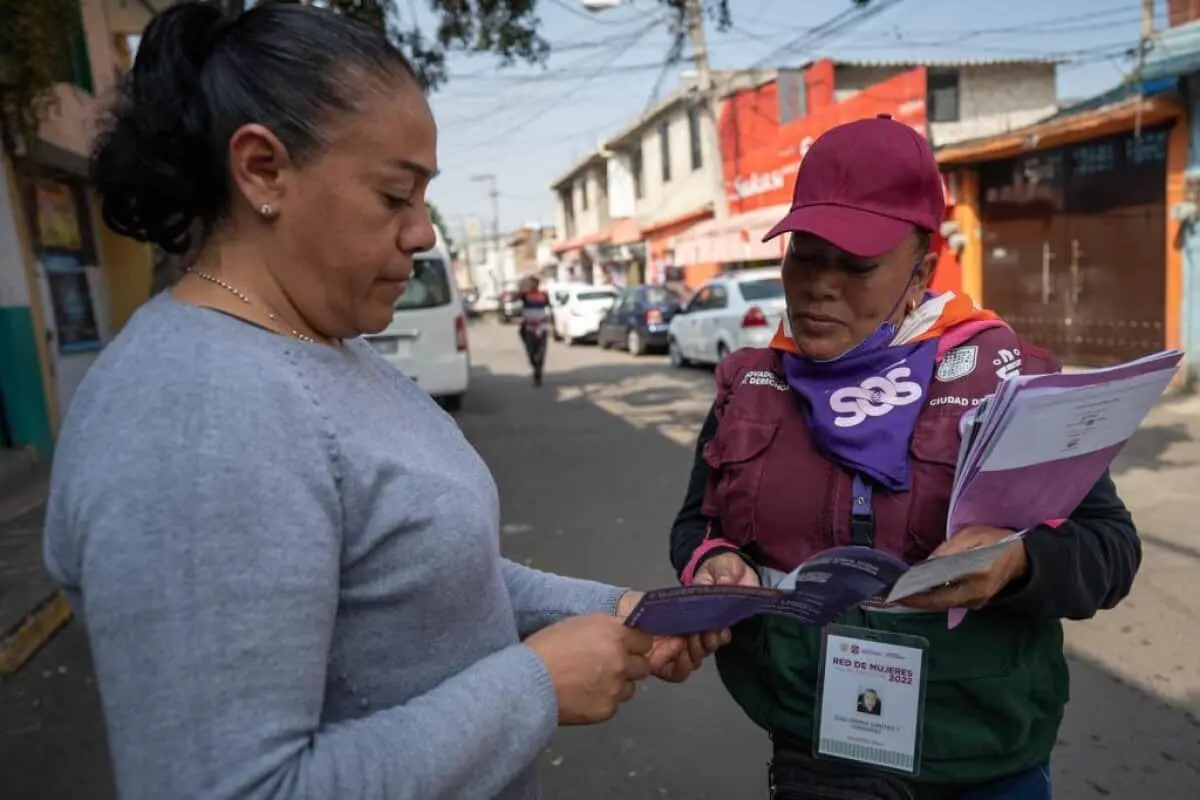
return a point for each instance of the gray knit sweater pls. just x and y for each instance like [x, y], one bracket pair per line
[287, 560]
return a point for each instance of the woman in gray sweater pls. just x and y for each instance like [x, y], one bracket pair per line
[285, 554]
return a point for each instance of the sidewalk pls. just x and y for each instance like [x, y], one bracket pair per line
[31, 609]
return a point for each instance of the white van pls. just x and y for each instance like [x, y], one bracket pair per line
[427, 339]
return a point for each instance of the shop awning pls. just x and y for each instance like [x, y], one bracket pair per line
[626, 231]
[1066, 128]
[579, 242]
[738, 238]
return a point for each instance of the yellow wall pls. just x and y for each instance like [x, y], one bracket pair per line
[128, 268]
[966, 214]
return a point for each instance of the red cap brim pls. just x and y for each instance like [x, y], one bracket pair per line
[859, 233]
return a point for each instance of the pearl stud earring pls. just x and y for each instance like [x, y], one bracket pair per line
[266, 210]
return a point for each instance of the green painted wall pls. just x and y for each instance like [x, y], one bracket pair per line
[21, 381]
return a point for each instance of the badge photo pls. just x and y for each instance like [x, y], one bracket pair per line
[870, 706]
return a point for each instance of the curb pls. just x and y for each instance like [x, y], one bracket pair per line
[23, 642]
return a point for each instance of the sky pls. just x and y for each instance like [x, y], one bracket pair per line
[526, 125]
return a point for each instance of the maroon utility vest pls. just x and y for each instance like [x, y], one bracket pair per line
[781, 500]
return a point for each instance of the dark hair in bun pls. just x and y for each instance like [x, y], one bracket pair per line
[161, 161]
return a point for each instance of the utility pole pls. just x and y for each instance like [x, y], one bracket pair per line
[1143, 47]
[494, 194]
[709, 97]
[693, 19]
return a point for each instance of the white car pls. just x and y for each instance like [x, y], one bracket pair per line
[577, 309]
[741, 309]
[427, 339]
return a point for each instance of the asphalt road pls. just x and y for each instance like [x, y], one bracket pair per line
[591, 468]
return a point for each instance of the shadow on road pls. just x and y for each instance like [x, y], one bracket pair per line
[608, 513]
[1147, 448]
[591, 468]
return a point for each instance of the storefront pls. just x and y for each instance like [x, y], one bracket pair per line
[711, 247]
[662, 265]
[622, 259]
[69, 277]
[762, 156]
[1076, 248]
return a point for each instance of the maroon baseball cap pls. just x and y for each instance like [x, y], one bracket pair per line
[864, 186]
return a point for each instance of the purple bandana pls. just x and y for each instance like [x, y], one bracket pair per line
[864, 405]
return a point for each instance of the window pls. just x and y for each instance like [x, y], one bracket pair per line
[429, 286]
[657, 295]
[942, 96]
[635, 166]
[702, 300]
[583, 194]
[719, 298]
[762, 289]
[63, 237]
[664, 149]
[695, 139]
[793, 95]
[585, 297]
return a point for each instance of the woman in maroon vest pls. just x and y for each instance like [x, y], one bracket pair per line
[846, 431]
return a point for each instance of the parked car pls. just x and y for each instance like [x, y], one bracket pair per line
[427, 338]
[741, 309]
[510, 302]
[577, 308]
[639, 319]
[470, 298]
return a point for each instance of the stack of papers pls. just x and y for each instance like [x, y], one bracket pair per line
[1030, 453]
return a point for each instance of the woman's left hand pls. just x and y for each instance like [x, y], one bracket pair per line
[674, 658]
[976, 590]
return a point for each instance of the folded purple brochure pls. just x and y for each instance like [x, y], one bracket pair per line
[816, 593]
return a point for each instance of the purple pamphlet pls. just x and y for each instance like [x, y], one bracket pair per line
[816, 593]
[1036, 448]
[1030, 453]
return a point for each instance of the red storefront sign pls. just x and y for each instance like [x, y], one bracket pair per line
[761, 156]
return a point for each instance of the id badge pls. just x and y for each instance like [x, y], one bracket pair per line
[871, 698]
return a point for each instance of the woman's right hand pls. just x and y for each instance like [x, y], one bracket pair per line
[594, 661]
[725, 569]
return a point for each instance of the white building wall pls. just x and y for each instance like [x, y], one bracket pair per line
[999, 98]
[688, 189]
[592, 181]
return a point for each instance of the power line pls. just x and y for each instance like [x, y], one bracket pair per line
[557, 100]
[836, 24]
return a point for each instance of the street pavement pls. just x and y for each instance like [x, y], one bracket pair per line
[591, 468]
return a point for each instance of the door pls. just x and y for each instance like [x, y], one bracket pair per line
[1114, 285]
[685, 328]
[558, 312]
[1024, 279]
[717, 315]
[1074, 251]
[616, 322]
[70, 284]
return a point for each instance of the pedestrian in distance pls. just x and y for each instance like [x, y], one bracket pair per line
[286, 556]
[535, 325]
[858, 401]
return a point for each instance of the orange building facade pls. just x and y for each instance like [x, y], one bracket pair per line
[765, 132]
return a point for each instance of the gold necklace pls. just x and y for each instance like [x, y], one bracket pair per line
[213, 279]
